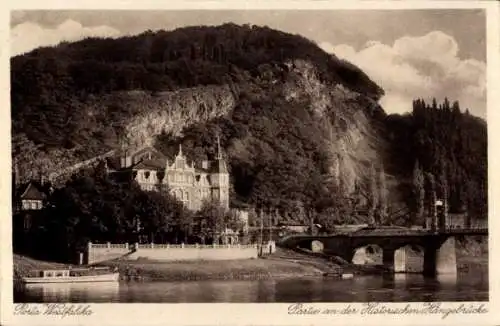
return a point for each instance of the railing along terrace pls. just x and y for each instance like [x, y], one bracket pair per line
[179, 246]
[118, 245]
[99, 245]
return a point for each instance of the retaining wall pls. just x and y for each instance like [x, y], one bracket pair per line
[165, 252]
[409, 260]
[101, 252]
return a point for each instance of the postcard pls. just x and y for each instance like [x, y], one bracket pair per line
[249, 163]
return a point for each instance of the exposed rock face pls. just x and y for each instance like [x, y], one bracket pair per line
[353, 142]
[167, 112]
[170, 112]
[343, 115]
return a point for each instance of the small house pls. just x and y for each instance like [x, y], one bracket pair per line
[31, 198]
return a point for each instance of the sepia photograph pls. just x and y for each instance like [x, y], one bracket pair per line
[249, 156]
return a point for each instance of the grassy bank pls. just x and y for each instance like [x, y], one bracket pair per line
[149, 270]
[24, 265]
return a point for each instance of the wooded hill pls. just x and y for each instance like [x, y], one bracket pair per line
[280, 145]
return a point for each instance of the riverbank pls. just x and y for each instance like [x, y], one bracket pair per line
[272, 267]
[282, 264]
[24, 265]
[250, 269]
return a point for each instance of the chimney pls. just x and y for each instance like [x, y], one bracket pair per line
[125, 160]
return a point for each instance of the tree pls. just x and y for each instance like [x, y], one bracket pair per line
[373, 195]
[443, 186]
[157, 212]
[432, 199]
[214, 218]
[418, 191]
[382, 201]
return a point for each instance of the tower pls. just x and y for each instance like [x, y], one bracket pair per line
[220, 179]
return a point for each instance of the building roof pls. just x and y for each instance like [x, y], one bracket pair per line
[32, 192]
[146, 164]
[158, 161]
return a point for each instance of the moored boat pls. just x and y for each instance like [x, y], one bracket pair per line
[72, 276]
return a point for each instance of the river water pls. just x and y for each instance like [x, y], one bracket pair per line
[469, 286]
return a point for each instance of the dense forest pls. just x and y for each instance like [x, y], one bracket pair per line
[442, 142]
[278, 146]
[51, 87]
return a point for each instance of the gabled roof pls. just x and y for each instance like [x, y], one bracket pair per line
[32, 192]
[154, 152]
[149, 165]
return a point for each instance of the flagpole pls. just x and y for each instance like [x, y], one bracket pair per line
[261, 227]
[270, 222]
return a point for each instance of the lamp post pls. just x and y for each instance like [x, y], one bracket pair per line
[261, 230]
[437, 221]
[270, 222]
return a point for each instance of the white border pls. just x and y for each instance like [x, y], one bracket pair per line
[232, 314]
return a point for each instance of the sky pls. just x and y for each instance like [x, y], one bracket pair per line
[409, 53]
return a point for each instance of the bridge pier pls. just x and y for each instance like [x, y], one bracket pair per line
[429, 261]
[388, 258]
[440, 258]
[446, 257]
[409, 259]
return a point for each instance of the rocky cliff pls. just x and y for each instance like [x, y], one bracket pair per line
[287, 112]
[347, 117]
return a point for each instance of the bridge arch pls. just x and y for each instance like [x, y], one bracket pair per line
[409, 258]
[370, 254]
[314, 245]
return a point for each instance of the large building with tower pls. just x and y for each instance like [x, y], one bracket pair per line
[188, 182]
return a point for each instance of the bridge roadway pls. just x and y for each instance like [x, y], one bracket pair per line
[437, 246]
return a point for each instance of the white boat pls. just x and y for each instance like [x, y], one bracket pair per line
[347, 276]
[71, 276]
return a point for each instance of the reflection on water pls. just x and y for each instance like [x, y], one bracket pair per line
[82, 292]
[471, 286]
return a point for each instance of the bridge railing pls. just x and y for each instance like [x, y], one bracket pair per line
[462, 228]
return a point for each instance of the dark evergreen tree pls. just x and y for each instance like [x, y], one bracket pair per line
[382, 201]
[418, 194]
[373, 195]
[432, 200]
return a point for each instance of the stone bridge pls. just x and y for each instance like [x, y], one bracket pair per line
[437, 247]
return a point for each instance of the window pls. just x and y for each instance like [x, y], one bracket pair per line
[178, 194]
[33, 205]
[27, 222]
